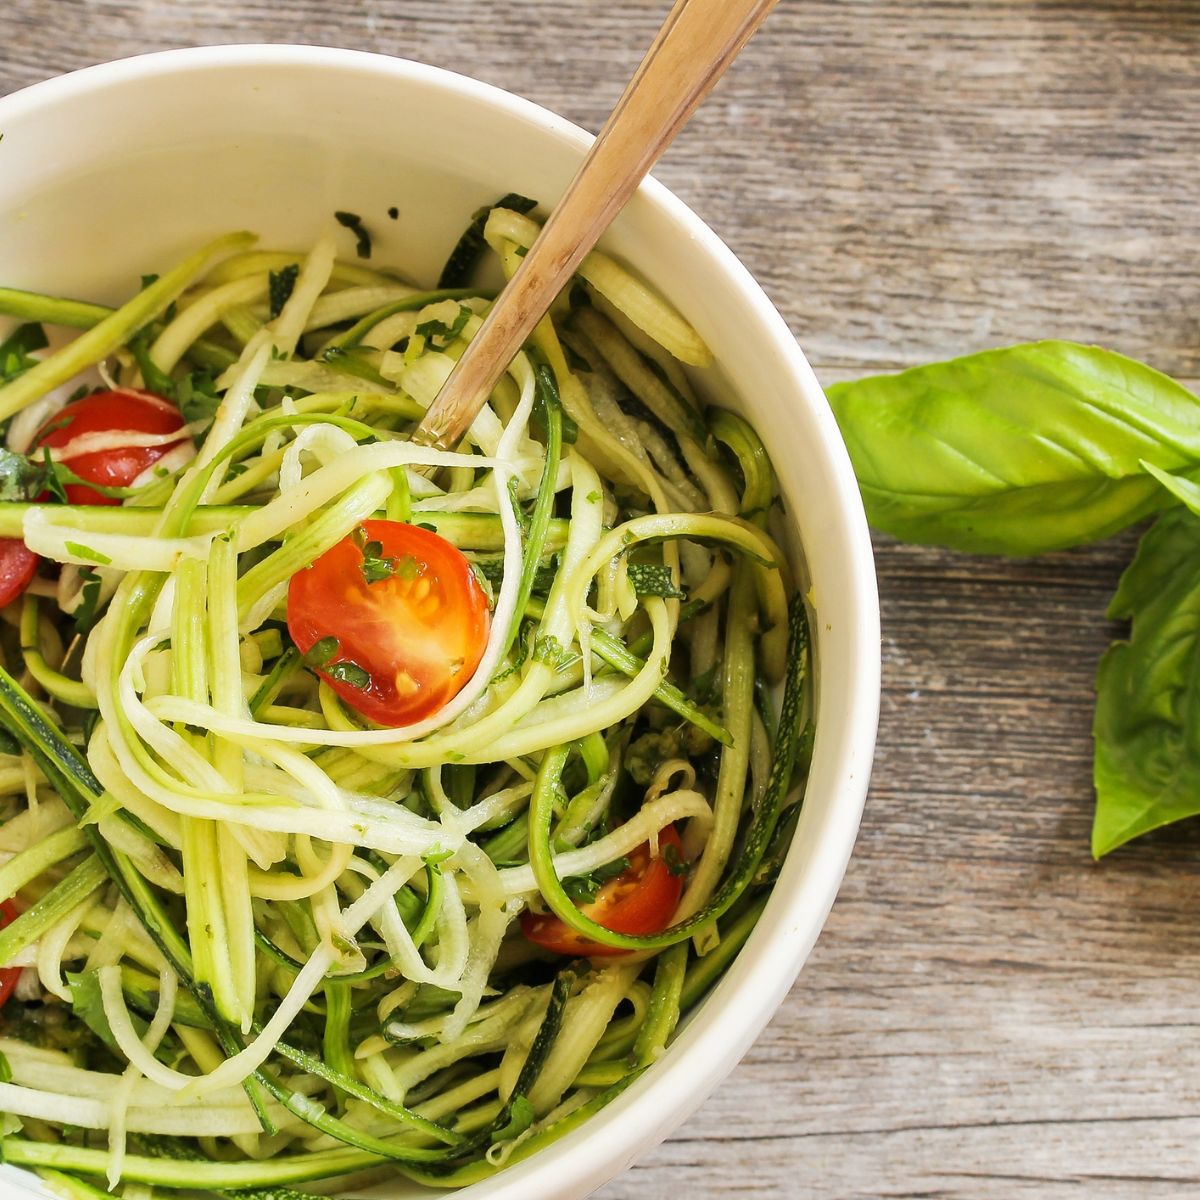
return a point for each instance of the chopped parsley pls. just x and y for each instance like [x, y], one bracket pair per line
[376, 567]
[654, 579]
[52, 477]
[24, 478]
[670, 855]
[362, 239]
[583, 889]
[469, 248]
[155, 379]
[55, 477]
[196, 395]
[492, 569]
[85, 611]
[320, 652]
[347, 670]
[547, 649]
[16, 351]
[280, 286]
[79, 550]
[19, 478]
[435, 328]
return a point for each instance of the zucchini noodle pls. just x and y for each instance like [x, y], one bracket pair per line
[270, 939]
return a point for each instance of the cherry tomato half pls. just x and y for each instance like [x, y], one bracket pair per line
[642, 899]
[110, 412]
[9, 975]
[402, 614]
[18, 565]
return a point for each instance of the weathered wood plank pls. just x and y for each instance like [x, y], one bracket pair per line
[989, 1015]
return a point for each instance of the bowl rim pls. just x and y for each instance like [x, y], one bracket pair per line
[752, 987]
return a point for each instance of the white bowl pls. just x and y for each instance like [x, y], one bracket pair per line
[119, 169]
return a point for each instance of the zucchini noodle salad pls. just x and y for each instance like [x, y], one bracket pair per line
[369, 810]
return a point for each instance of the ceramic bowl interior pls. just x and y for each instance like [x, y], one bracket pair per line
[118, 170]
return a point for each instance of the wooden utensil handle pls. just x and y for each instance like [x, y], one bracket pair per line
[698, 40]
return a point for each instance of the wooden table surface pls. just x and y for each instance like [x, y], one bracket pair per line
[988, 1014]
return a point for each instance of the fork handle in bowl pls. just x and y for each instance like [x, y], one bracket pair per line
[696, 43]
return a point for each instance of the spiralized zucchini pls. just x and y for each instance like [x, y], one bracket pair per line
[266, 942]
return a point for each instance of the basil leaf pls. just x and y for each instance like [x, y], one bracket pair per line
[1186, 491]
[1017, 451]
[1147, 723]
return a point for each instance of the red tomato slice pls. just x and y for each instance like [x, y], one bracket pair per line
[110, 412]
[18, 565]
[642, 899]
[9, 975]
[410, 620]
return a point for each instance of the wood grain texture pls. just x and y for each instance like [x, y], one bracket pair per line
[988, 1015]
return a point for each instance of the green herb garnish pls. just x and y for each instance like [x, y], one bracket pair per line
[16, 351]
[653, 579]
[85, 613]
[435, 328]
[19, 478]
[79, 550]
[362, 239]
[280, 284]
[466, 253]
[583, 889]
[349, 672]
